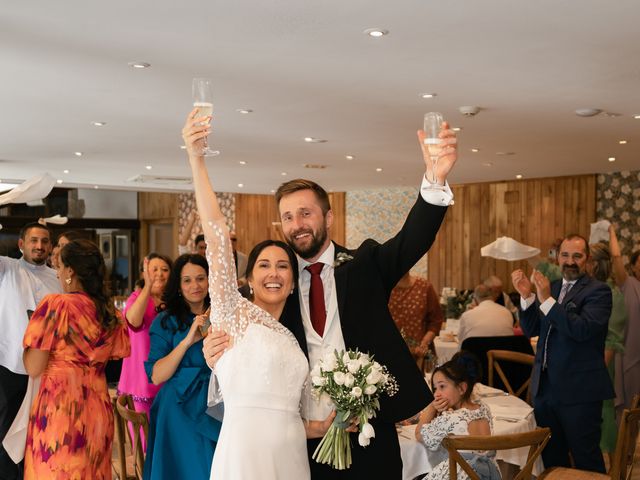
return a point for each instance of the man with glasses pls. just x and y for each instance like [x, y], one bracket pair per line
[569, 380]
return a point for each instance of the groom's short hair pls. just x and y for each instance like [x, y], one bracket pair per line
[298, 184]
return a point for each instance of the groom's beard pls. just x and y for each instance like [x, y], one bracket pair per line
[311, 248]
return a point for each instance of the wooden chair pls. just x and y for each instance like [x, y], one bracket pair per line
[119, 466]
[127, 413]
[496, 356]
[535, 440]
[621, 462]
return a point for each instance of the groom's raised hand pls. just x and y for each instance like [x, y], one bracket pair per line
[214, 346]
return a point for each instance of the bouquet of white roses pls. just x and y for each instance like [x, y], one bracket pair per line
[354, 382]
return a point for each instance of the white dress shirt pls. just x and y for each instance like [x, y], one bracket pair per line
[545, 306]
[22, 286]
[488, 319]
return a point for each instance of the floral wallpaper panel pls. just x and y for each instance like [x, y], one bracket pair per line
[187, 203]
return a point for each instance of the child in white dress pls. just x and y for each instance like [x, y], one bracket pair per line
[452, 412]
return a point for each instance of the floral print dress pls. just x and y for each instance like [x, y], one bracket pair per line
[71, 422]
[455, 422]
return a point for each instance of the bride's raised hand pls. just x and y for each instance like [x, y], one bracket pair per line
[195, 129]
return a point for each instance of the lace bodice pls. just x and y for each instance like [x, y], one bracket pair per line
[230, 311]
[453, 422]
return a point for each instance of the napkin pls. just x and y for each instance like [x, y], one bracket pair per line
[483, 390]
[506, 248]
[15, 441]
[56, 220]
[510, 412]
[36, 188]
[599, 231]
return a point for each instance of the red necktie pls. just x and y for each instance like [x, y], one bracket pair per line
[317, 309]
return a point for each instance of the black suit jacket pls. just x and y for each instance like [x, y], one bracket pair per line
[363, 286]
[575, 358]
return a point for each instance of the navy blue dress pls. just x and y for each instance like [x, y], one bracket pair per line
[182, 437]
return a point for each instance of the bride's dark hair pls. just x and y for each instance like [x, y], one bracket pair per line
[255, 252]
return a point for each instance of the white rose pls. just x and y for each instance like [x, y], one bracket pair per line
[349, 380]
[363, 440]
[345, 357]
[356, 392]
[370, 389]
[374, 377]
[367, 430]
[316, 371]
[339, 378]
[319, 381]
[376, 366]
[353, 366]
[329, 362]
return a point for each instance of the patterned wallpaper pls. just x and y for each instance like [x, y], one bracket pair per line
[187, 203]
[619, 202]
[379, 214]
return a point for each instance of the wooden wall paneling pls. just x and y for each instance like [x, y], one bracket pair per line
[534, 212]
[157, 208]
[338, 206]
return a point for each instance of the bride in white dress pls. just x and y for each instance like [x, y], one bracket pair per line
[262, 377]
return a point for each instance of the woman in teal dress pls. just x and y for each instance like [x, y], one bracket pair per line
[599, 267]
[182, 437]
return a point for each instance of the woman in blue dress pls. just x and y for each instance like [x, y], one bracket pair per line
[182, 437]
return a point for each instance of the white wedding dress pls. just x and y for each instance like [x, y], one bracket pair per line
[260, 379]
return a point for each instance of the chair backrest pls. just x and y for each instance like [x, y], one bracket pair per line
[119, 441]
[139, 420]
[535, 440]
[623, 456]
[479, 346]
[501, 361]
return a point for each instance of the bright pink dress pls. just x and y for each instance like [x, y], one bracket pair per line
[133, 378]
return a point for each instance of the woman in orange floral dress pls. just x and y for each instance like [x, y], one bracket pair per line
[69, 340]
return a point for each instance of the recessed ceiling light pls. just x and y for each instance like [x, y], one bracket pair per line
[77, 154]
[313, 140]
[457, 129]
[183, 147]
[148, 167]
[475, 150]
[139, 65]
[622, 142]
[487, 164]
[98, 124]
[284, 174]
[65, 171]
[240, 185]
[244, 111]
[378, 169]
[612, 159]
[428, 95]
[587, 112]
[96, 187]
[242, 162]
[273, 191]
[637, 117]
[519, 176]
[376, 32]
[59, 181]
[349, 157]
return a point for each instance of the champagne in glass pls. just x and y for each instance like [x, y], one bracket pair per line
[203, 101]
[432, 125]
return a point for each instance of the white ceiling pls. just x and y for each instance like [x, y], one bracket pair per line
[306, 69]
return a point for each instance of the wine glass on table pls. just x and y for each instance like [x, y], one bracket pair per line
[432, 126]
[203, 101]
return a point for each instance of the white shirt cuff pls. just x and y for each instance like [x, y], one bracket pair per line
[436, 194]
[527, 302]
[547, 305]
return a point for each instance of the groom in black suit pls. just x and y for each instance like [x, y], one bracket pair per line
[355, 288]
[342, 303]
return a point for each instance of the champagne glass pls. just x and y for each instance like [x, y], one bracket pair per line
[432, 125]
[203, 100]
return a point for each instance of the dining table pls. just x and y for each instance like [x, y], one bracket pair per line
[509, 414]
[446, 347]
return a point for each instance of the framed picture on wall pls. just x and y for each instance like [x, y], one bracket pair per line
[105, 246]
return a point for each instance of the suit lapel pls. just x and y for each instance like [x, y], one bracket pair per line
[340, 276]
[579, 285]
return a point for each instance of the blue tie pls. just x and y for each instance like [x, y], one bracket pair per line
[563, 292]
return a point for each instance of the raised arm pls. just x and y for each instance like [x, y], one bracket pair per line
[222, 275]
[619, 272]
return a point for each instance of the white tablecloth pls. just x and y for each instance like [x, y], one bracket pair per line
[445, 350]
[417, 460]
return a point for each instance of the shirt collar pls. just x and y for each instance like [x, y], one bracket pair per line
[33, 267]
[327, 258]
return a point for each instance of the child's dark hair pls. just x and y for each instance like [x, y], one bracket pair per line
[463, 367]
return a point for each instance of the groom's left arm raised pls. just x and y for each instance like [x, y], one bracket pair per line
[397, 255]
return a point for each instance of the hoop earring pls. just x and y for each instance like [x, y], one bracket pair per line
[250, 289]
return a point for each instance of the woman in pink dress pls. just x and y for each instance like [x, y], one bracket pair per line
[141, 309]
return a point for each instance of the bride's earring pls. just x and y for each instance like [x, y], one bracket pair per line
[250, 289]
